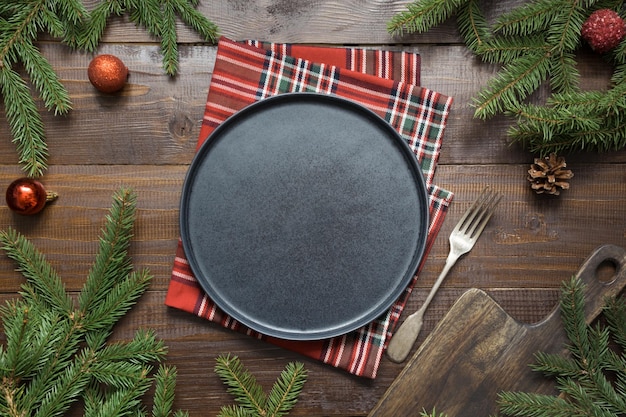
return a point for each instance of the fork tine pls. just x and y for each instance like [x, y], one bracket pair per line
[470, 212]
[476, 217]
[486, 213]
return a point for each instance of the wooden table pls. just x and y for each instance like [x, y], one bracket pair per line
[144, 137]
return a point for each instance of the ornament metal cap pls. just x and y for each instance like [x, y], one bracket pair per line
[28, 196]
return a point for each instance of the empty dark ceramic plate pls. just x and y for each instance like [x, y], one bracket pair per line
[304, 216]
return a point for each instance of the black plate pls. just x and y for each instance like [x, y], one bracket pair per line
[304, 216]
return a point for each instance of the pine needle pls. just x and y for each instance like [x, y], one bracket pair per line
[535, 43]
[592, 378]
[252, 400]
[56, 353]
[21, 23]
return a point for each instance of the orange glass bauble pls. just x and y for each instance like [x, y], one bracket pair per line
[28, 196]
[107, 73]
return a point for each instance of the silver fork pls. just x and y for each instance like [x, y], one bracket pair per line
[462, 240]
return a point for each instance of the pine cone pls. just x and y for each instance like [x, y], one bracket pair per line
[548, 175]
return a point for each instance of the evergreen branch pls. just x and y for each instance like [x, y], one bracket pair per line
[564, 32]
[92, 27]
[575, 99]
[25, 326]
[553, 365]
[536, 43]
[168, 39]
[43, 77]
[188, 14]
[118, 302]
[572, 306]
[68, 20]
[241, 384]
[165, 386]
[504, 50]
[564, 76]
[235, 411]
[112, 260]
[33, 265]
[284, 394]
[117, 375]
[144, 348]
[512, 84]
[126, 401]
[422, 15]
[615, 313]
[473, 26]
[54, 355]
[423, 413]
[68, 387]
[531, 18]
[528, 404]
[64, 355]
[24, 122]
[52, 23]
[149, 15]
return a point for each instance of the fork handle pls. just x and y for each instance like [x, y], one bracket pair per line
[402, 341]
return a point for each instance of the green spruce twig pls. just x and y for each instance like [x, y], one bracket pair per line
[536, 44]
[592, 378]
[21, 23]
[56, 350]
[252, 400]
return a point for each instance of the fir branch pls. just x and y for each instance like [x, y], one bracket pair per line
[530, 18]
[92, 27]
[253, 401]
[241, 384]
[21, 22]
[591, 379]
[142, 349]
[25, 122]
[473, 26]
[55, 355]
[534, 405]
[168, 39]
[188, 14]
[555, 364]
[67, 387]
[39, 273]
[536, 43]
[284, 394]
[54, 95]
[564, 76]
[564, 30]
[615, 313]
[421, 16]
[112, 260]
[513, 84]
[504, 50]
[164, 391]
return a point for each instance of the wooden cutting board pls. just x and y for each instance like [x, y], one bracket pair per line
[478, 350]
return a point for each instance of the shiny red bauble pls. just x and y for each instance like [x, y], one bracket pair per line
[28, 196]
[107, 73]
[603, 30]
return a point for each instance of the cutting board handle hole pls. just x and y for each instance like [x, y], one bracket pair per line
[606, 272]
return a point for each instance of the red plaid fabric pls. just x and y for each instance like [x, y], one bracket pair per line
[246, 73]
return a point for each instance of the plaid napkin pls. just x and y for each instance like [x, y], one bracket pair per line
[385, 82]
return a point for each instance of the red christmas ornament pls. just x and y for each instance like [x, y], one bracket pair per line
[28, 196]
[603, 30]
[107, 73]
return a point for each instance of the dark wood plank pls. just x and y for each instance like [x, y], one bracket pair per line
[145, 136]
[157, 112]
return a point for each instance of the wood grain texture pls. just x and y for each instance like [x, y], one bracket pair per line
[145, 138]
[478, 350]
